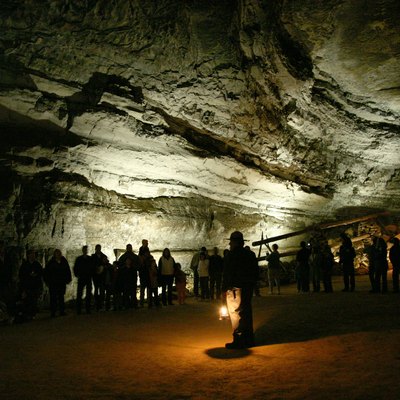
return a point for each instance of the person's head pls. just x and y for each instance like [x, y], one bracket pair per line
[104, 260]
[129, 248]
[166, 253]
[97, 248]
[275, 247]
[57, 254]
[178, 266]
[85, 250]
[236, 240]
[145, 243]
[31, 255]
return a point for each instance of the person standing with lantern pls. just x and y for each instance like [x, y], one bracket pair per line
[238, 282]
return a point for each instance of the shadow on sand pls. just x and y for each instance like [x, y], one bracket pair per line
[297, 318]
[223, 353]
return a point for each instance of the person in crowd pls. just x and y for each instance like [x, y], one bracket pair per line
[274, 266]
[134, 268]
[316, 264]
[152, 292]
[216, 267]
[99, 282]
[194, 265]
[381, 265]
[369, 251]
[108, 284]
[98, 277]
[394, 257]
[144, 274]
[57, 275]
[84, 271]
[203, 270]
[118, 286]
[180, 283]
[238, 282]
[144, 247]
[327, 267]
[30, 284]
[303, 268]
[166, 270]
[128, 276]
[347, 255]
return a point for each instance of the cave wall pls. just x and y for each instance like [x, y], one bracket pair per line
[180, 121]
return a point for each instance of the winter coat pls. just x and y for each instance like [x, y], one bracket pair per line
[30, 276]
[84, 268]
[57, 275]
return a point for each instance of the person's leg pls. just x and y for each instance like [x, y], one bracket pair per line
[164, 290]
[79, 293]
[88, 296]
[170, 284]
[53, 301]
[395, 278]
[270, 281]
[212, 287]
[384, 281]
[196, 281]
[352, 279]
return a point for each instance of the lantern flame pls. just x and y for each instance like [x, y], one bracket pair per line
[223, 313]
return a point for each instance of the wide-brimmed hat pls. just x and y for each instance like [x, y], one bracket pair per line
[238, 236]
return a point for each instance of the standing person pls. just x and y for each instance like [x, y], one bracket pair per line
[274, 266]
[83, 270]
[394, 257]
[57, 275]
[152, 292]
[30, 283]
[238, 281]
[98, 277]
[316, 263]
[108, 284]
[203, 269]
[180, 282]
[166, 270]
[327, 267]
[144, 247]
[215, 269]
[369, 251]
[128, 275]
[303, 268]
[133, 269]
[347, 255]
[381, 265]
[194, 265]
[144, 274]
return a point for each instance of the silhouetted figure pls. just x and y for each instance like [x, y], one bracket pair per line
[128, 275]
[394, 257]
[303, 268]
[57, 275]
[144, 248]
[381, 265]
[166, 270]
[215, 270]
[98, 277]
[144, 276]
[369, 251]
[194, 265]
[327, 267]
[108, 284]
[238, 281]
[84, 270]
[133, 269]
[203, 269]
[180, 282]
[30, 284]
[152, 292]
[274, 266]
[316, 263]
[347, 255]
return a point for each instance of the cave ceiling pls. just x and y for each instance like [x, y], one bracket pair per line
[211, 114]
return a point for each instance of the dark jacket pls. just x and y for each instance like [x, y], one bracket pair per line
[84, 268]
[57, 275]
[347, 255]
[394, 256]
[216, 266]
[240, 269]
[30, 276]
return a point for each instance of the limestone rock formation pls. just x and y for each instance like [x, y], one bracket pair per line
[179, 120]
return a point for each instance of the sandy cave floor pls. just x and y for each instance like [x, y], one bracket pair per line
[309, 346]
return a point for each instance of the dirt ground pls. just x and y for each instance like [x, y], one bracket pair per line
[309, 346]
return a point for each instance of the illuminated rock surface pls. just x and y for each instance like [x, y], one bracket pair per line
[181, 121]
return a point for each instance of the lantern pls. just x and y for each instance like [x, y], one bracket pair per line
[223, 313]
